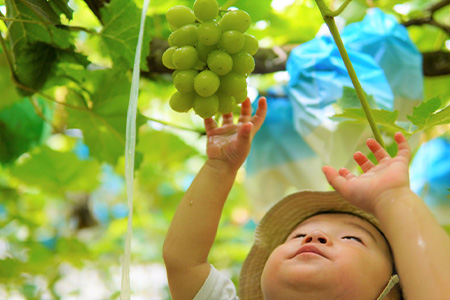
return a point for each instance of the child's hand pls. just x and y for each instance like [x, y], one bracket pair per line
[231, 142]
[390, 177]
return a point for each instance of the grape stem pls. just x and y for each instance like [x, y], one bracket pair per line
[328, 16]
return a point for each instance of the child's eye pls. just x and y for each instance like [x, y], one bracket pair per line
[353, 238]
[300, 235]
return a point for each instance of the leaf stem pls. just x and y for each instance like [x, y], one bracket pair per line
[328, 17]
[199, 131]
[39, 112]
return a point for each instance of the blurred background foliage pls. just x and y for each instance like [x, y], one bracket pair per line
[65, 75]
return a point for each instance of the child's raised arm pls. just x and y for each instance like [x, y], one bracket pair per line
[194, 225]
[420, 246]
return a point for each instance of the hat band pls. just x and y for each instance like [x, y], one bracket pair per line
[392, 282]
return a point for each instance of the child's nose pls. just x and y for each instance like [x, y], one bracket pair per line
[317, 236]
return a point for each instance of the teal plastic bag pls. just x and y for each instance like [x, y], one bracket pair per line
[280, 161]
[317, 80]
[430, 176]
[387, 42]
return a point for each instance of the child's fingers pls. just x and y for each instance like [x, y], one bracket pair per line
[333, 178]
[227, 119]
[346, 173]
[379, 152]
[260, 115]
[363, 162]
[210, 124]
[246, 111]
[403, 146]
[244, 135]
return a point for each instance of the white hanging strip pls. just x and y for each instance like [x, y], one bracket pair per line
[130, 145]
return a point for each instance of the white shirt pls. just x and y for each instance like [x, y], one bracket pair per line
[217, 286]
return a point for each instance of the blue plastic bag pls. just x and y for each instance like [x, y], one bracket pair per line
[387, 42]
[430, 176]
[317, 79]
[280, 161]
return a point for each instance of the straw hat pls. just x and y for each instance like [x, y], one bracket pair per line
[278, 223]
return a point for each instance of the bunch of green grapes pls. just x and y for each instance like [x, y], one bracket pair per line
[211, 56]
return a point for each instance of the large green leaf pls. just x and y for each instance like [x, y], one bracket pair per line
[33, 42]
[21, 129]
[36, 14]
[164, 147]
[61, 7]
[120, 33]
[104, 122]
[7, 88]
[350, 99]
[33, 64]
[384, 118]
[57, 172]
[429, 113]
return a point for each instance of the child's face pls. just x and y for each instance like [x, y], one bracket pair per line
[329, 256]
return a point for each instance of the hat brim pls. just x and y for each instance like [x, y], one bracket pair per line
[279, 222]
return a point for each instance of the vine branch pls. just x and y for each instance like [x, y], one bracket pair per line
[328, 17]
[40, 113]
[429, 19]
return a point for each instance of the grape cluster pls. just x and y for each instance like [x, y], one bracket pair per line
[211, 56]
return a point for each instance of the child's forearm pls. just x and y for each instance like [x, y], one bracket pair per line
[420, 245]
[194, 225]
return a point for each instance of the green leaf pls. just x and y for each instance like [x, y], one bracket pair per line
[72, 251]
[42, 10]
[429, 114]
[61, 7]
[21, 129]
[104, 123]
[257, 12]
[33, 65]
[34, 44]
[350, 99]
[120, 33]
[57, 172]
[383, 118]
[9, 269]
[7, 87]
[70, 67]
[23, 33]
[159, 144]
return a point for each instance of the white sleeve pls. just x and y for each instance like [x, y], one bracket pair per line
[217, 286]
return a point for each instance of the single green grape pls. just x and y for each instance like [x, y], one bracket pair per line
[232, 84]
[203, 51]
[184, 81]
[206, 107]
[182, 102]
[241, 96]
[175, 73]
[185, 57]
[209, 33]
[200, 66]
[180, 15]
[243, 63]
[232, 41]
[220, 62]
[235, 20]
[184, 36]
[206, 10]
[167, 58]
[250, 44]
[206, 83]
[226, 103]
